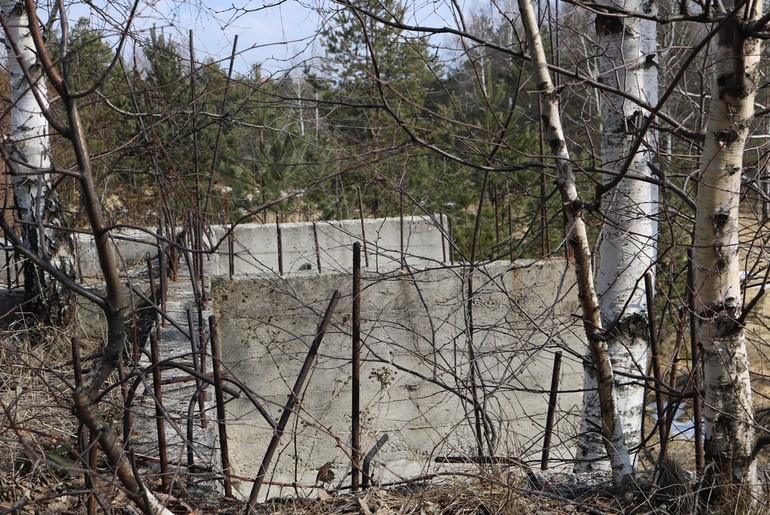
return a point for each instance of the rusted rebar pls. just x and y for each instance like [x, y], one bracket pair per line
[280, 245]
[216, 365]
[159, 415]
[368, 460]
[402, 256]
[231, 254]
[291, 402]
[497, 215]
[355, 429]
[451, 240]
[194, 351]
[552, 402]
[510, 232]
[162, 263]
[317, 250]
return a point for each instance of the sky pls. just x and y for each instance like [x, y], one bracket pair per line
[278, 34]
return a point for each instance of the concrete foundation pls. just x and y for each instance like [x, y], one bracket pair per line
[417, 381]
[320, 247]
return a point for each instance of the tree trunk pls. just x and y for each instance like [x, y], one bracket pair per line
[627, 248]
[23, 35]
[610, 428]
[29, 162]
[728, 428]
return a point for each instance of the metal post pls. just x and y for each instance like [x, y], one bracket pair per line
[552, 398]
[159, 415]
[291, 402]
[216, 364]
[355, 429]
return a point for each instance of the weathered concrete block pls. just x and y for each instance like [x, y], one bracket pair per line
[416, 370]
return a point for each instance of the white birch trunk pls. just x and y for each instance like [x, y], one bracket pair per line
[627, 248]
[29, 150]
[728, 428]
[610, 428]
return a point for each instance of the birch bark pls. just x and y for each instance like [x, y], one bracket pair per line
[28, 152]
[728, 428]
[610, 429]
[627, 248]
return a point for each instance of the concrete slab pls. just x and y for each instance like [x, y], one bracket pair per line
[416, 371]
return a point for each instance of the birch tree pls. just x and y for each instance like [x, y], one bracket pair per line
[610, 430]
[627, 244]
[28, 159]
[729, 434]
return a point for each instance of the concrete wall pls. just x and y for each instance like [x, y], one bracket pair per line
[304, 246]
[415, 370]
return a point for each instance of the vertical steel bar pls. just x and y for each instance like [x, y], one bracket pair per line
[451, 240]
[159, 417]
[477, 412]
[202, 347]
[317, 250]
[280, 245]
[199, 248]
[291, 402]
[174, 253]
[549, 421]
[510, 232]
[195, 351]
[231, 254]
[216, 365]
[163, 279]
[443, 237]
[355, 429]
[497, 217]
[401, 226]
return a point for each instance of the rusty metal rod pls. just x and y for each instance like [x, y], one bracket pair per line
[216, 365]
[317, 250]
[280, 245]
[368, 460]
[163, 301]
[451, 240]
[355, 427]
[231, 254]
[510, 233]
[197, 355]
[291, 402]
[159, 415]
[497, 216]
[401, 227]
[549, 421]
[198, 385]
